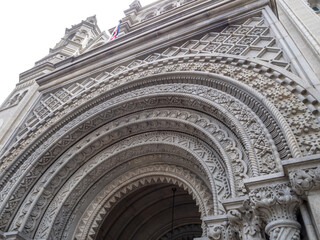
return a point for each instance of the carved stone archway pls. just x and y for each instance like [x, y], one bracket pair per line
[220, 122]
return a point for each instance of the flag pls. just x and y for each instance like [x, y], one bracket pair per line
[115, 32]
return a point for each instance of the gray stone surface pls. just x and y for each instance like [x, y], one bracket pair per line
[212, 98]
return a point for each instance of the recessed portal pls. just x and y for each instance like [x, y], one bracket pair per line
[150, 213]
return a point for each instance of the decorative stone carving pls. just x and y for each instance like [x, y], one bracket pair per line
[258, 37]
[217, 227]
[245, 223]
[219, 231]
[100, 206]
[14, 100]
[156, 124]
[175, 88]
[277, 206]
[305, 180]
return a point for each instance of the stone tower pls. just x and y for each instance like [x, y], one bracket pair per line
[200, 121]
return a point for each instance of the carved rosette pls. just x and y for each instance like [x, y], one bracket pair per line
[305, 180]
[277, 206]
[245, 223]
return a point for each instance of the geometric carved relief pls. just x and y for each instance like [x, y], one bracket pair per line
[99, 207]
[249, 39]
[32, 175]
[274, 91]
[252, 39]
[253, 75]
[262, 83]
[165, 88]
[13, 101]
[155, 116]
[255, 79]
[217, 171]
[252, 78]
[212, 94]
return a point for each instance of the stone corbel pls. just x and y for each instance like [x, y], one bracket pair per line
[217, 227]
[274, 201]
[244, 223]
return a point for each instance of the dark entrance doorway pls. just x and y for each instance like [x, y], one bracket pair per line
[146, 214]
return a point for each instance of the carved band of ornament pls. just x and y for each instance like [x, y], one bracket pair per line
[248, 72]
[69, 125]
[123, 123]
[93, 170]
[305, 180]
[99, 134]
[47, 157]
[133, 180]
[147, 160]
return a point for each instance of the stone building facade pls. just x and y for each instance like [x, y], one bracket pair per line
[201, 121]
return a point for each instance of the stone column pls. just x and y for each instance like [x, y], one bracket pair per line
[277, 205]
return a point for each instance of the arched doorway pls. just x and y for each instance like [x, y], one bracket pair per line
[151, 212]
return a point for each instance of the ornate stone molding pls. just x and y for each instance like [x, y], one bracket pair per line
[244, 222]
[227, 70]
[304, 174]
[138, 145]
[305, 180]
[217, 227]
[175, 88]
[109, 196]
[277, 206]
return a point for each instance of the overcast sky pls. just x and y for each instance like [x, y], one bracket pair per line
[30, 27]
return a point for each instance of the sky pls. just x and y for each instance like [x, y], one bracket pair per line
[30, 28]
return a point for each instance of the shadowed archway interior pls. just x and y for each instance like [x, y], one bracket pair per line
[147, 214]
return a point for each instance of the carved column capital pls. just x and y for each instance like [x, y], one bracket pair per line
[218, 227]
[277, 205]
[305, 180]
[245, 222]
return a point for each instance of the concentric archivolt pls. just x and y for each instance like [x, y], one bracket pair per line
[217, 103]
[162, 119]
[277, 134]
[107, 160]
[110, 195]
[271, 83]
